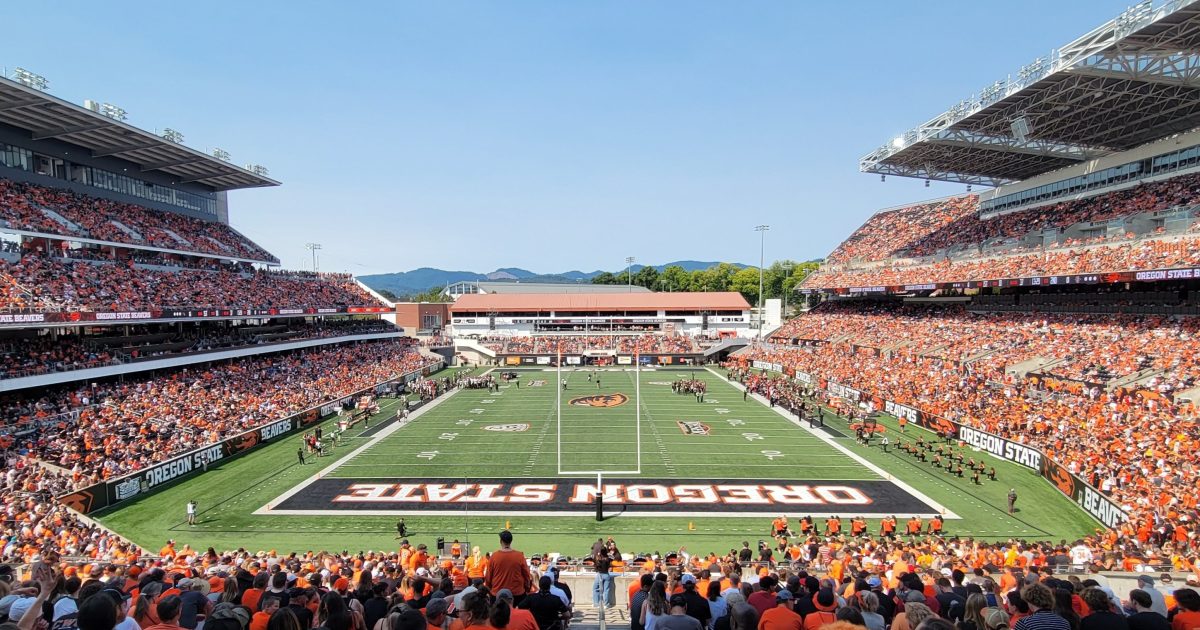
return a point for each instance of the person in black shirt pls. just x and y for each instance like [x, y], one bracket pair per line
[745, 555]
[298, 604]
[548, 610]
[1102, 617]
[951, 604]
[1144, 618]
[376, 607]
[697, 605]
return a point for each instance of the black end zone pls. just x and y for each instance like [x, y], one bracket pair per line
[634, 496]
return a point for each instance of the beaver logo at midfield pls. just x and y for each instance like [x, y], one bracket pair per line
[600, 400]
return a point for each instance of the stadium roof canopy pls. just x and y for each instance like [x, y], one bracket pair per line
[1134, 80]
[48, 117]
[502, 302]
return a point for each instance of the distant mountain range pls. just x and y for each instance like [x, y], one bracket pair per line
[425, 278]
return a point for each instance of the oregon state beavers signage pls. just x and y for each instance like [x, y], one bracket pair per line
[1083, 494]
[600, 400]
[641, 496]
[146, 480]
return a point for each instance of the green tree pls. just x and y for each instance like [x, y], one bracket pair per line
[646, 277]
[433, 294]
[388, 295]
[604, 277]
[745, 281]
[673, 278]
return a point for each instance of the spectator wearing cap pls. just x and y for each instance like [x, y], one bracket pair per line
[507, 568]
[228, 616]
[298, 604]
[437, 613]
[122, 601]
[1144, 616]
[887, 605]
[518, 618]
[677, 617]
[826, 605]
[195, 602]
[781, 617]
[1158, 603]
[696, 604]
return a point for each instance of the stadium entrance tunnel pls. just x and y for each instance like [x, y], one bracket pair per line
[573, 497]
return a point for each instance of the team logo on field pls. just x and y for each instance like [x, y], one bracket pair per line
[537, 383]
[691, 427]
[507, 428]
[600, 400]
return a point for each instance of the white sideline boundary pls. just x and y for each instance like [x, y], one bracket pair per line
[267, 510]
[828, 439]
[375, 439]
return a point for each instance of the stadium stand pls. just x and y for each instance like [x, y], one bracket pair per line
[109, 429]
[1096, 393]
[577, 344]
[38, 282]
[890, 232]
[1117, 231]
[24, 355]
[64, 213]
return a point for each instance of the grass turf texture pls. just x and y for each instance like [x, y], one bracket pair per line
[592, 438]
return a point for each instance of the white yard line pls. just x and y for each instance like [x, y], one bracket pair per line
[828, 439]
[266, 509]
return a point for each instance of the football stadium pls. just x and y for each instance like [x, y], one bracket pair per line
[979, 411]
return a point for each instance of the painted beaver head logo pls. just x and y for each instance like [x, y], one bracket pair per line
[600, 400]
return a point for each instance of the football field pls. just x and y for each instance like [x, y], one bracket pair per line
[673, 471]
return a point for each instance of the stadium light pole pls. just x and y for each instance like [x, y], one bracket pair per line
[762, 248]
[313, 247]
[787, 271]
[629, 271]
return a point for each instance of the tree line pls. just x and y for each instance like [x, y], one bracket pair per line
[777, 278]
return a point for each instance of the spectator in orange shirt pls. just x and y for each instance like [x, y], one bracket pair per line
[508, 569]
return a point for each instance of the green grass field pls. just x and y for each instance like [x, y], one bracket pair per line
[449, 441]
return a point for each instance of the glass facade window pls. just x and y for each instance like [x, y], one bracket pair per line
[1160, 165]
[16, 157]
[23, 159]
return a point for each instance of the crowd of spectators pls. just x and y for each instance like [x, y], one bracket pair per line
[892, 231]
[578, 344]
[97, 431]
[1136, 443]
[23, 206]
[969, 229]
[1157, 253]
[39, 282]
[29, 356]
[898, 239]
[833, 582]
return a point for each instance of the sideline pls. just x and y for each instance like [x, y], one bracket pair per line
[375, 439]
[824, 437]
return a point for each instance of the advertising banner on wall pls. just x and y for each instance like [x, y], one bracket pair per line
[145, 481]
[1083, 494]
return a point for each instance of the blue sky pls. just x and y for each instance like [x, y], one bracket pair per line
[545, 135]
